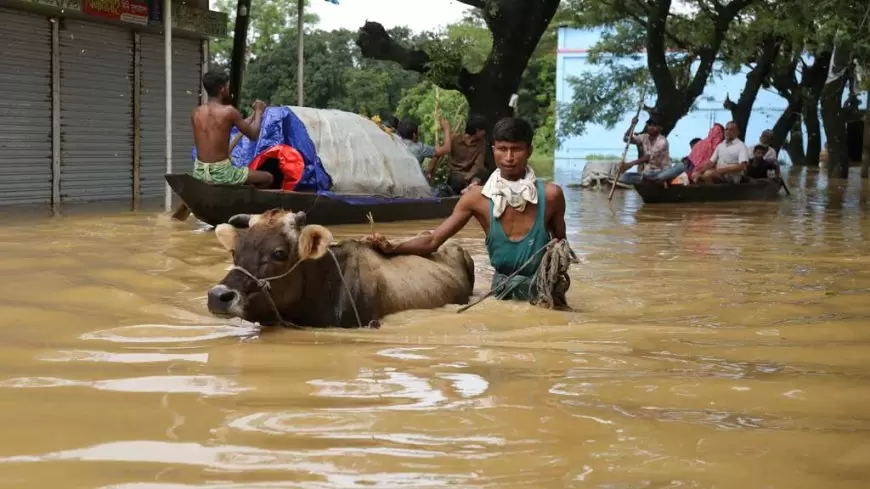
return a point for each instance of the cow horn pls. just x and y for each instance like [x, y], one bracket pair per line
[243, 220]
[294, 220]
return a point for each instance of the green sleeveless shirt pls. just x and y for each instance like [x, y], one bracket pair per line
[507, 255]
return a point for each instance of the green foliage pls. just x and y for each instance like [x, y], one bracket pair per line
[602, 97]
[337, 76]
[542, 164]
[419, 103]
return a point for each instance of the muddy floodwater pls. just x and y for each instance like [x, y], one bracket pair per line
[713, 346]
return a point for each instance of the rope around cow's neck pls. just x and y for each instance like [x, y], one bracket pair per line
[264, 284]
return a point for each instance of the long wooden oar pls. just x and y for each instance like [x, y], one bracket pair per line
[182, 212]
[627, 143]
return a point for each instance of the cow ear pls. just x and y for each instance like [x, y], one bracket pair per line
[314, 240]
[226, 235]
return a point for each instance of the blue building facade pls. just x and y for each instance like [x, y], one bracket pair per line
[572, 60]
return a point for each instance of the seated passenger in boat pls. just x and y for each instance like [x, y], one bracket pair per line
[408, 131]
[766, 140]
[656, 159]
[688, 166]
[467, 156]
[729, 160]
[212, 123]
[519, 214]
[760, 167]
[703, 150]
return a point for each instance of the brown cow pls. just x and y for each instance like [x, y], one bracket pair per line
[305, 285]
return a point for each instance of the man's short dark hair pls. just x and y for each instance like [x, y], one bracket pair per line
[213, 81]
[407, 128]
[512, 130]
[760, 147]
[694, 141]
[475, 123]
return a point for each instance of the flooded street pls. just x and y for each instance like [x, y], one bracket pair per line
[714, 346]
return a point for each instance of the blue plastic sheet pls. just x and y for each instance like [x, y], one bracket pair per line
[281, 126]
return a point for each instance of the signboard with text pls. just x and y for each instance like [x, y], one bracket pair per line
[122, 10]
[144, 12]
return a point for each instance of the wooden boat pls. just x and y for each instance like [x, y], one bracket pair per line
[656, 193]
[215, 204]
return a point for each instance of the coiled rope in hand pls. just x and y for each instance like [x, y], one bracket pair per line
[551, 281]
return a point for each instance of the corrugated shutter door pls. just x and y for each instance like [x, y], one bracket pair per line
[186, 83]
[96, 112]
[25, 108]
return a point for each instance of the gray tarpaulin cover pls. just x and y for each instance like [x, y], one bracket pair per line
[362, 158]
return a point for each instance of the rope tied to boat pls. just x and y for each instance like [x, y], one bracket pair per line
[265, 286]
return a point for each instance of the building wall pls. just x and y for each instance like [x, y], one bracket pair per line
[572, 60]
[83, 119]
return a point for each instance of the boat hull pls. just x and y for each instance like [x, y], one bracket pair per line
[654, 193]
[215, 204]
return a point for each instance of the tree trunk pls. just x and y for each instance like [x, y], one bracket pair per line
[237, 59]
[742, 110]
[795, 146]
[835, 128]
[814, 131]
[865, 143]
[673, 101]
[789, 118]
[516, 28]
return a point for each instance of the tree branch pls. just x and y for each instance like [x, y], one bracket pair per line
[481, 4]
[375, 43]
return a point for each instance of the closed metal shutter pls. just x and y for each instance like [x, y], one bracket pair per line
[96, 112]
[25, 108]
[186, 83]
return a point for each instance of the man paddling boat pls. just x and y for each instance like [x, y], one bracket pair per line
[518, 212]
[656, 155]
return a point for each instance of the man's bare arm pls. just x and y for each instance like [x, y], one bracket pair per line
[427, 244]
[444, 148]
[557, 220]
[251, 129]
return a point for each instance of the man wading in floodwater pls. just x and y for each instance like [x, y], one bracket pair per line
[518, 212]
[212, 124]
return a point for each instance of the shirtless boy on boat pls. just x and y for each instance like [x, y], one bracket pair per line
[212, 124]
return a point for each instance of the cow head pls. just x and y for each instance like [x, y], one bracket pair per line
[265, 245]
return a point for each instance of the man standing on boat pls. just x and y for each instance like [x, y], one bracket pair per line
[518, 212]
[656, 155]
[467, 154]
[731, 157]
[212, 124]
[408, 130]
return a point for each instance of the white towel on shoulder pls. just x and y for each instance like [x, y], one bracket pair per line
[510, 193]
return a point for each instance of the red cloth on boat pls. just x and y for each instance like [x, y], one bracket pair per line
[290, 162]
[703, 149]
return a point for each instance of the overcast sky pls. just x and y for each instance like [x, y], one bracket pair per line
[419, 15]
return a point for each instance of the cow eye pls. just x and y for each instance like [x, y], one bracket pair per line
[279, 255]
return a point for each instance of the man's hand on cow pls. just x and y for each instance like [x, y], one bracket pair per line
[381, 243]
